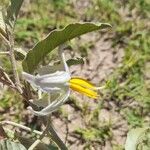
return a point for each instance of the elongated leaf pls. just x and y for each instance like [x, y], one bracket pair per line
[12, 12]
[56, 38]
[133, 138]
[9, 145]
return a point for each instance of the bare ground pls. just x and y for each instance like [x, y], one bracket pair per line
[102, 60]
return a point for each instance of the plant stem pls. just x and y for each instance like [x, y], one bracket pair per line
[38, 140]
[50, 132]
[53, 135]
[4, 53]
[34, 144]
[13, 62]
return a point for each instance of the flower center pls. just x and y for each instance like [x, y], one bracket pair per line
[83, 86]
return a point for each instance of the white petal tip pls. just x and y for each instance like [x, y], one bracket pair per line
[28, 77]
[31, 100]
[37, 113]
[30, 108]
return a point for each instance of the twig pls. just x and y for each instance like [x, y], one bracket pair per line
[34, 144]
[5, 76]
[21, 126]
[38, 140]
[4, 53]
[8, 84]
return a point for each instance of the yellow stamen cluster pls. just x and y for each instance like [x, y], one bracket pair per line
[83, 86]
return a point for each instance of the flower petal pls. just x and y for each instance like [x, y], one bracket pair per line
[49, 82]
[40, 102]
[30, 78]
[54, 105]
[43, 102]
[59, 77]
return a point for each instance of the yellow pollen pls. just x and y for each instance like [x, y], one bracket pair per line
[83, 86]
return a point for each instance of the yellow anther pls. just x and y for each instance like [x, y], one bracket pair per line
[83, 86]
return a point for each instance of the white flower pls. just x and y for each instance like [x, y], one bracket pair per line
[57, 81]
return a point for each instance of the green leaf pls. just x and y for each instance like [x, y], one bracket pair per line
[12, 12]
[19, 53]
[134, 137]
[56, 38]
[10, 145]
[75, 61]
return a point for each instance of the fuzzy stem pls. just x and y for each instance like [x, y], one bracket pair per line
[13, 62]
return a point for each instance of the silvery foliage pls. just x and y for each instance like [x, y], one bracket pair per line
[54, 81]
